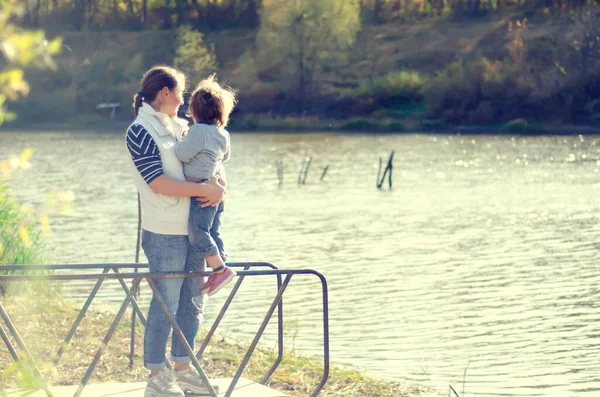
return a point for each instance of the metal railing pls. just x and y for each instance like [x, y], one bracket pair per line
[14, 273]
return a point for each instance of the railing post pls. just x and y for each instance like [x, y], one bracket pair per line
[279, 337]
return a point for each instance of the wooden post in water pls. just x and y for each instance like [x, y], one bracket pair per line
[324, 172]
[379, 173]
[388, 167]
[304, 171]
[300, 173]
[279, 164]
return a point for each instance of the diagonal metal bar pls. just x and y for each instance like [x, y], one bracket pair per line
[13, 330]
[181, 337]
[279, 337]
[80, 316]
[138, 310]
[9, 345]
[136, 306]
[107, 338]
[220, 316]
[258, 335]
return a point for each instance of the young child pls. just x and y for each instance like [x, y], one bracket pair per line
[203, 151]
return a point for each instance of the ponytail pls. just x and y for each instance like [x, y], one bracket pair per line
[137, 103]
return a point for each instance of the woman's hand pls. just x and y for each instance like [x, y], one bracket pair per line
[211, 194]
[220, 178]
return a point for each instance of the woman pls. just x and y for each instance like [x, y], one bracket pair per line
[165, 199]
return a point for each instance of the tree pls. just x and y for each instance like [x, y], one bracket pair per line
[192, 55]
[303, 38]
[19, 48]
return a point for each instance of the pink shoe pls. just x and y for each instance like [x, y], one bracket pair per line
[217, 281]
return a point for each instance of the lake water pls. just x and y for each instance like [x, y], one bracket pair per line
[483, 258]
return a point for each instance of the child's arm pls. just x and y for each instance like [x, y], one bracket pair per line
[191, 144]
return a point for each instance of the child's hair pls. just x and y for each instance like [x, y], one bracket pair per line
[155, 80]
[211, 103]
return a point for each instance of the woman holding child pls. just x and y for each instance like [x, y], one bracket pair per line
[165, 199]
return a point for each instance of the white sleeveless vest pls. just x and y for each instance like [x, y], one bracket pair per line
[162, 214]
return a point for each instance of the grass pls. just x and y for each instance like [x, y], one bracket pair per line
[44, 320]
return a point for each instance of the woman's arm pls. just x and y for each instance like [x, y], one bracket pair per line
[221, 176]
[147, 159]
[209, 192]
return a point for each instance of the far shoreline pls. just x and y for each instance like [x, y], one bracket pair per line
[299, 125]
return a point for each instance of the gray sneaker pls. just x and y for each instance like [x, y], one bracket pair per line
[163, 385]
[190, 382]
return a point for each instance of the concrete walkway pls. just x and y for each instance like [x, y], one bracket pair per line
[244, 388]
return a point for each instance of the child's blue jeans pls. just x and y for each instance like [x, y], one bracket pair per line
[204, 225]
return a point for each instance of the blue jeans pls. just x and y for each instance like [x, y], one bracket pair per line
[204, 225]
[170, 253]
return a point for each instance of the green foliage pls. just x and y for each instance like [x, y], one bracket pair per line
[19, 233]
[359, 125]
[413, 109]
[192, 55]
[362, 125]
[517, 125]
[24, 377]
[19, 48]
[405, 84]
[300, 40]
[396, 94]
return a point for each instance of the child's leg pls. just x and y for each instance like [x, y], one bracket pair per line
[222, 274]
[200, 223]
[214, 231]
[216, 262]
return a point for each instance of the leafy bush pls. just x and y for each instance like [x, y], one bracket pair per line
[19, 234]
[517, 125]
[359, 125]
[393, 89]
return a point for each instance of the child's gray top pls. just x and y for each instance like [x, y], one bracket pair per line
[203, 149]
